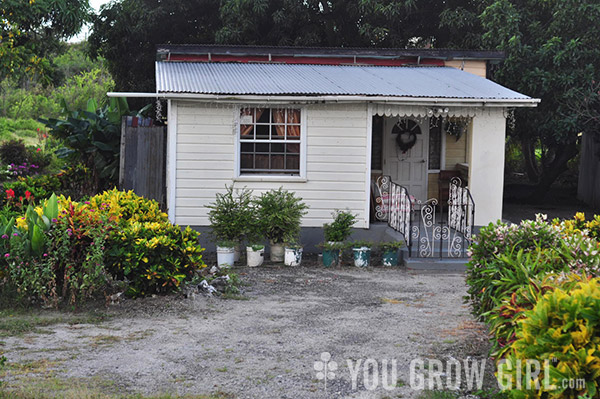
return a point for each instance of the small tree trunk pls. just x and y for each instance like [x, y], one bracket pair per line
[531, 165]
[550, 173]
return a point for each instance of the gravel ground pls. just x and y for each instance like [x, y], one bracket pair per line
[266, 345]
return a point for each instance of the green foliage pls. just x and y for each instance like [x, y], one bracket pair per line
[391, 245]
[25, 129]
[13, 152]
[562, 330]
[135, 27]
[362, 244]
[154, 255]
[31, 30]
[341, 227]
[71, 251]
[232, 216]
[93, 136]
[280, 215]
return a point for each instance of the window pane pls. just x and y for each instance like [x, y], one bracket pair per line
[293, 162]
[262, 147]
[277, 148]
[278, 116]
[278, 132]
[246, 132]
[293, 132]
[293, 116]
[277, 162]
[247, 147]
[292, 148]
[263, 115]
[247, 161]
[262, 132]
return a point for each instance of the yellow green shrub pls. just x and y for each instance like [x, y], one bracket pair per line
[146, 249]
[562, 331]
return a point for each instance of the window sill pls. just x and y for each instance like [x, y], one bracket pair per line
[290, 179]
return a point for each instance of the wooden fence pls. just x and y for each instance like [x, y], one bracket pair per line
[143, 158]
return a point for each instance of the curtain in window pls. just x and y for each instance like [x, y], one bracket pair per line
[246, 130]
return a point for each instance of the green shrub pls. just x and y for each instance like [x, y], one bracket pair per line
[231, 214]
[341, 227]
[504, 257]
[280, 214]
[70, 251]
[563, 330]
[13, 152]
[154, 255]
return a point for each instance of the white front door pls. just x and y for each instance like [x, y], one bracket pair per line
[408, 169]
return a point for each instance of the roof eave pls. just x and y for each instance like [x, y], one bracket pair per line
[275, 99]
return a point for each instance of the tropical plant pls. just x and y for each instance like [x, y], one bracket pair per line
[231, 214]
[562, 331]
[341, 227]
[93, 136]
[280, 215]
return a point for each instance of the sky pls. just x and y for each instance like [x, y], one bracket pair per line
[95, 4]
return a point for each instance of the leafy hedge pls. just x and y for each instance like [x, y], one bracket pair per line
[527, 282]
[69, 251]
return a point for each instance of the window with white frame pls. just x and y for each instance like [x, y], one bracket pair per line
[270, 141]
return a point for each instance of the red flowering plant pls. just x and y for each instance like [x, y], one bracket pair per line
[76, 251]
[20, 202]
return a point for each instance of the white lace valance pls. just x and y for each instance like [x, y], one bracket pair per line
[421, 111]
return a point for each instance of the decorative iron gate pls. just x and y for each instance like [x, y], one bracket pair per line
[429, 230]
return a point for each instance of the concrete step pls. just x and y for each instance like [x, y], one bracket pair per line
[445, 264]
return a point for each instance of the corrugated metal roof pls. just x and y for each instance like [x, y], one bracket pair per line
[295, 79]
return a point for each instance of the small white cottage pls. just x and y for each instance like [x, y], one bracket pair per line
[328, 122]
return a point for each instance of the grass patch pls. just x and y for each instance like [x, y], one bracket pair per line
[93, 388]
[19, 322]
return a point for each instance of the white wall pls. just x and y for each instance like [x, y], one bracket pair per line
[337, 158]
[486, 164]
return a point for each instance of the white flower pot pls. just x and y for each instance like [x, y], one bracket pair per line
[293, 256]
[225, 256]
[255, 258]
[277, 252]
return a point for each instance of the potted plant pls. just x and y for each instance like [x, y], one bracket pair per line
[280, 214]
[362, 253]
[341, 227]
[255, 250]
[228, 217]
[226, 253]
[293, 254]
[255, 254]
[390, 252]
[331, 253]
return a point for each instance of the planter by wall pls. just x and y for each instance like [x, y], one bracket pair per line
[362, 256]
[390, 258]
[277, 252]
[293, 256]
[331, 257]
[225, 256]
[255, 257]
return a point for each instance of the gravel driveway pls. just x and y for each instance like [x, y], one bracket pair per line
[265, 345]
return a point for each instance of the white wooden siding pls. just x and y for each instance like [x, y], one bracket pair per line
[335, 170]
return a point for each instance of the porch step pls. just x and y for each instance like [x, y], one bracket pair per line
[453, 264]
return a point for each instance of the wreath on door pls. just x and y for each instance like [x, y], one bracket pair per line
[406, 131]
